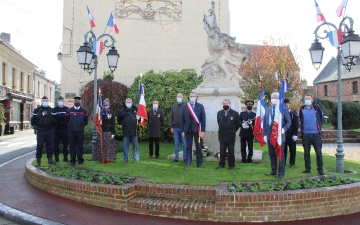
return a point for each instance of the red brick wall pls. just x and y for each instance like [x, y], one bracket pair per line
[347, 90]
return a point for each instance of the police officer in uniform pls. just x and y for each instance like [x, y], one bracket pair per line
[76, 118]
[61, 130]
[247, 119]
[43, 121]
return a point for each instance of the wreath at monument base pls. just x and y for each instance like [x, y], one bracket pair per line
[204, 149]
[217, 154]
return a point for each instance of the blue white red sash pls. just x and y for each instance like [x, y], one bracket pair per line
[195, 118]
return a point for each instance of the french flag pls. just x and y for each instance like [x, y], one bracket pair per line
[341, 8]
[111, 23]
[98, 47]
[142, 105]
[335, 37]
[98, 117]
[320, 17]
[260, 113]
[91, 18]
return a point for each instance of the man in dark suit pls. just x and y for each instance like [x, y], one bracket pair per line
[193, 127]
[267, 125]
[155, 122]
[247, 119]
[291, 134]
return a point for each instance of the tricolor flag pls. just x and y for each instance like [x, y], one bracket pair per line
[141, 112]
[260, 113]
[111, 23]
[98, 116]
[98, 47]
[335, 37]
[341, 8]
[319, 15]
[276, 131]
[91, 18]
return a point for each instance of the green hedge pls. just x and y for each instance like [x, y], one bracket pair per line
[327, 107]
[350, 115]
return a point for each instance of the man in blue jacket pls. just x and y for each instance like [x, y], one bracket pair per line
[267, 125]
[311, 120]
[76, 118]
[193, 128]
[61, 130]
[291, 134]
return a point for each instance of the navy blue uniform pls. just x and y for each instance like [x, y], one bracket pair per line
[247, 135]
[76, 120]
[43, 119]
[292, 131]
[61, 132]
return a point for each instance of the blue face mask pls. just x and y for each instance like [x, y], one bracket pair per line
[192, 100]
[45, 104]
[60, 104]
[128, 105]
[307, 102]
[179, 100]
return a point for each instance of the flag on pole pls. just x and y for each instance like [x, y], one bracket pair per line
[91, 18]
[111, 23]
[341, 8]
[319, 15]
[98, 116]
[98, 47]
[276, 132]
[141, 112]
[260, 113]
[335, 37]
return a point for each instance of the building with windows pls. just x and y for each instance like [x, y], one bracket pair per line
[43, 86]
[326, 83]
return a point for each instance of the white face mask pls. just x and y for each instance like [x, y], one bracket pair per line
[307, 102]
[179, 100]
[155, 106]
[274, 101]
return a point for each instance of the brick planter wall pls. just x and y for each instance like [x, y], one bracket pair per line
[208, 203]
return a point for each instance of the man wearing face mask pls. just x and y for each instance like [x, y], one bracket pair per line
[155, 122]
[193, 128]
[44, 120]
[247, 119]
[77, 118]
[311, 120]
[128, 121]
[267, 125]
[291, 134]
[175, 126]
[61, 130]
[229, 122]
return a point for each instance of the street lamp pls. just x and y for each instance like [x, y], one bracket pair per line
[88, 60]
[346, 55]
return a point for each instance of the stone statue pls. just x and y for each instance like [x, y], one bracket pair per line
[226, 56]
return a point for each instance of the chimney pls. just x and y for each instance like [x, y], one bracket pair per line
[6, 36]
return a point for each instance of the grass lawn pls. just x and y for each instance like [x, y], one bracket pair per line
[327, 125]
[163, 171]
[357, 130]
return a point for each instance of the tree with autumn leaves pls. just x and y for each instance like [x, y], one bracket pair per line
[271, 62]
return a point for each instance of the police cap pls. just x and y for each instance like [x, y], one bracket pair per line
[247, 102]
[77, 98]
[60, 97]
[44, 97]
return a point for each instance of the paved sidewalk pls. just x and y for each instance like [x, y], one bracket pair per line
[18, 134]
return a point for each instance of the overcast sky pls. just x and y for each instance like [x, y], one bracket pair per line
[36, 27]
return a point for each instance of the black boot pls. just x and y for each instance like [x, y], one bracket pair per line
[56, 158]
[51, 161]
[38, 162]
[65, 158]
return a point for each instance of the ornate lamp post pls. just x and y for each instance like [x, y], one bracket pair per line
[88, 60]
[346, 55]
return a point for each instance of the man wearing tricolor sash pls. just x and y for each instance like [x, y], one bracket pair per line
[193, 128]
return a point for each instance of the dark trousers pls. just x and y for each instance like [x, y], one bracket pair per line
[274, 159]
[289, 142]
[189, 139]
[151, 146]
[315, 140]
[231, 157]
[61, 134]
[47, 137]
[249, 142]
[76, 142]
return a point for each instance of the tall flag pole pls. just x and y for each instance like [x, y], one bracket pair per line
[260, 113]
[141, 112]
[98, 122]
[91, 18]
[319, 16]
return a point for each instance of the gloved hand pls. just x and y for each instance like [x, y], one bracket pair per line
[265, 139]
[112, 136]
[294, 137]
[282, 130]
[245, 125]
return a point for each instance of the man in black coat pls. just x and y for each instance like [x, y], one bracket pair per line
[76, 118]
[229, 122]
[291, 134]
[155, 122]
[247, 119]
[61, 130]
[128, 121]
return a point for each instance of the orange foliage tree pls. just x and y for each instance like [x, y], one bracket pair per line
[271, 62]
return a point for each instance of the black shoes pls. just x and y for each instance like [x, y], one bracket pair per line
[175, 161]
[50, 161]
[65, 158]
[219, 167]
[72, 163]
[271, 173]
[321, 172]
[281, 176]
[232, 168]
[249, 161]
[292, 166]
[56, 158]
[306, 171]
[38, 162]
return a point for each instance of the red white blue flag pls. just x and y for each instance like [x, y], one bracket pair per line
[319, 16]
[91, 18]
[260, 113]
[141, 112]
[341, 8]
[111, 23]
[98, 117]
[98, 47]
[335, 37]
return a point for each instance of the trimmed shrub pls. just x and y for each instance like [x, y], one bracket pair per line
[327, 107]
[350, 115]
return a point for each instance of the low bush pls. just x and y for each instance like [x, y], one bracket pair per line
[350, 115]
